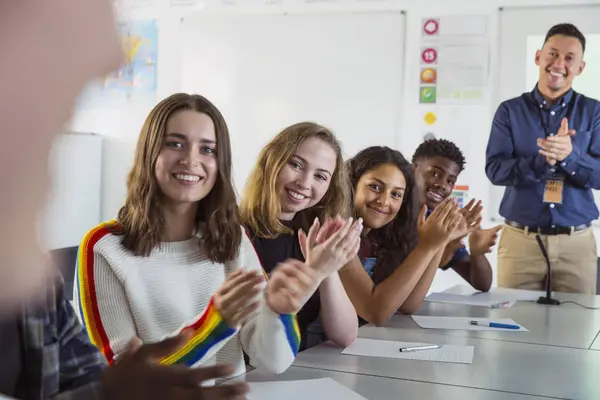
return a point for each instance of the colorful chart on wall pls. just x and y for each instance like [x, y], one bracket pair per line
[454, 57]
[135, 82]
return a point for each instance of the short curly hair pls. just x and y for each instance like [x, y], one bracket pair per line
[442, 148]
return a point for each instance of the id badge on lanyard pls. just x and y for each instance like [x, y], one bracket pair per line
[553, 189]
[553, 192]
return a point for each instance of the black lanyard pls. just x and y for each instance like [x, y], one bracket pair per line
[541, 114]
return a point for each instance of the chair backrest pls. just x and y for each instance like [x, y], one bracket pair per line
[65, 260]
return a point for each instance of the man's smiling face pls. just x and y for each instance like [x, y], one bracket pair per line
[559, 61]
[435, 177]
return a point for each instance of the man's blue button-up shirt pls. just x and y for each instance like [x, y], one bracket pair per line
[512, 159]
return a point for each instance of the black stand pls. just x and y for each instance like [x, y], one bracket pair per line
[548, 300]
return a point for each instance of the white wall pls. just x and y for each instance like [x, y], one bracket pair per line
[73, 203]
[263, 82]
[122, 127]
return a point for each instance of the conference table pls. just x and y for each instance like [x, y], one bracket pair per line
[559, 358]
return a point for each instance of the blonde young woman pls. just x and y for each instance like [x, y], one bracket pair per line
[299, 180]
[177, 260]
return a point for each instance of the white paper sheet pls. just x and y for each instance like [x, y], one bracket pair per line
[463, 323]
[510, 294]
[389, 349]
[491, 300]
[505, 293]
[313, 389]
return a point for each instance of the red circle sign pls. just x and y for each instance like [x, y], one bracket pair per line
[431, 26]
[429, 55]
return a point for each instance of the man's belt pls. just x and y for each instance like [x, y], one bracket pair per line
[547, 230]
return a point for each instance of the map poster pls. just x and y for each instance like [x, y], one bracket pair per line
[135, 82]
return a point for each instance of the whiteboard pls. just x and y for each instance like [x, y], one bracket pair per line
[522, 32]
[341, 70]
[73, 205]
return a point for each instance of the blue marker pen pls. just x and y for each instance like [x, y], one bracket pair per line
[495, 325]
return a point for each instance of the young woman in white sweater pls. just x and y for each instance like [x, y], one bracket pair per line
[177, 259]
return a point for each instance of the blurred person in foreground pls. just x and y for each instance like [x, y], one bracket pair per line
[50, 50]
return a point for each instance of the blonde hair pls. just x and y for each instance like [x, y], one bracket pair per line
[260, 207]
[141, 216]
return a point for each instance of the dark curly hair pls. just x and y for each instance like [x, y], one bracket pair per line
[397, 239]
[442, 148]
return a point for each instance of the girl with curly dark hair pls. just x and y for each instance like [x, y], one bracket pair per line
[399, 246]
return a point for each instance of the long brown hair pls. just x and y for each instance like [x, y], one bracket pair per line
[142, 215]
[260, 207]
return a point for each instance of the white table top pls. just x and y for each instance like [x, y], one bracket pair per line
[378, 388]
[520, 368]
[553, 360]
[565, 325]
[584, 299]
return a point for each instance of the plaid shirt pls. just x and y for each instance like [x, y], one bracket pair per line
[59, 362]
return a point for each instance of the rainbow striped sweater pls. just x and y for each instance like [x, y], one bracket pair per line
[119, 295]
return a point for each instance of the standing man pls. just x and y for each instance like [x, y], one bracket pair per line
[545, 148]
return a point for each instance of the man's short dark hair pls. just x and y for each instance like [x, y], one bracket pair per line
[442, 148]
[566, 30]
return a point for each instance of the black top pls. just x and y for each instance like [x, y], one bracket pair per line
[10, 355]
[273, 251]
